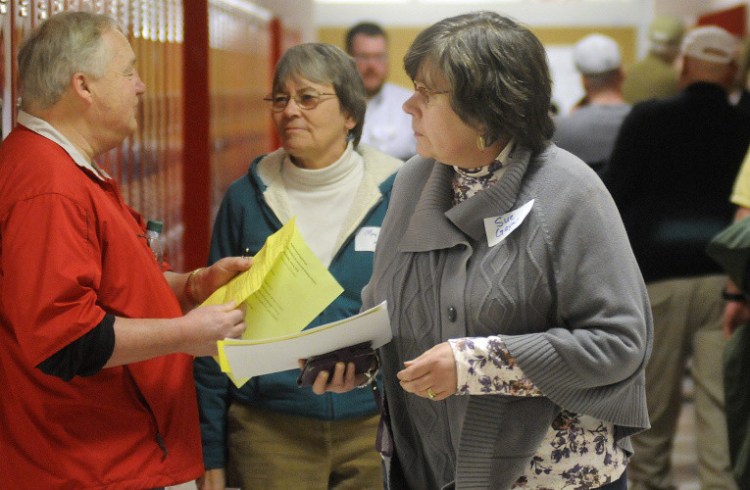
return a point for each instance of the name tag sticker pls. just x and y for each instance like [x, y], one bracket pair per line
[366, 239]
[499, 227]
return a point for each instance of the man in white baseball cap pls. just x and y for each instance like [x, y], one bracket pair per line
[596, 54]
[709, 54]
[590, 131]
[710, 43]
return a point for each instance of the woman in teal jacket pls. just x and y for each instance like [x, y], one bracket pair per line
[270, 433]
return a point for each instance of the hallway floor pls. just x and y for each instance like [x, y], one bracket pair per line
[683, 458]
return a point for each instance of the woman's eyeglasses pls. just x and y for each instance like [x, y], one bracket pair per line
[306, 100]
[426, 93]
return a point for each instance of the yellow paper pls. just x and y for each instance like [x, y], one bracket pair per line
[284, 290]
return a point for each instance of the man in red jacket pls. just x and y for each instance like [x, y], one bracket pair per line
[96, 353]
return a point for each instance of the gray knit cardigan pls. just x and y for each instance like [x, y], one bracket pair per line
[563, 291]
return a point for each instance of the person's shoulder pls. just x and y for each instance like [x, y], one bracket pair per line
[566, 121]
[24, 143]
[266, 169]
[623, 109]
[254, 179]
[652, 104]
[575, 127]
[371, 154]
[39, 162]
[558, 168]
[415, 171]
[562, 119]
[379, 165]
[557, 174]
[650, 66]
[411, 178]
[648, 112]
[555, 158]
[598, 113]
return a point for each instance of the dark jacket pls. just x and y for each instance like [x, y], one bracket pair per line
[671, 173]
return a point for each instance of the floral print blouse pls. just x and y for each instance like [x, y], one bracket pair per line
[578, 449]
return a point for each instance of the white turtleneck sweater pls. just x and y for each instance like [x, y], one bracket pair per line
[321, 199]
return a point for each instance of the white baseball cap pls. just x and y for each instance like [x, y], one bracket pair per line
[710, 43]
[595, 54]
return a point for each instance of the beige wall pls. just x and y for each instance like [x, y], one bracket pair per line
[401, 37]
[626, 37]
[399, 40]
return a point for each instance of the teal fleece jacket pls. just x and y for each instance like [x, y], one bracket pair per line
[247, 216]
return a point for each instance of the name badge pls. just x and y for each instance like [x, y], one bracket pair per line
[499, 227]
[366, 239]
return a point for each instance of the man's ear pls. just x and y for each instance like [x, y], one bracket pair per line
[731, 75]
[80, 84]
[585, 83]
[681, 67]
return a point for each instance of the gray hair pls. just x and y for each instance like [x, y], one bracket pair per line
[497, 71]
[64, 44]
[326, 63]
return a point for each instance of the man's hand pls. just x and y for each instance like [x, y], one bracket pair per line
[221, 272]
[736, 314]
[203, 327]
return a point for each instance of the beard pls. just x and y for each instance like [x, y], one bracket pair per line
[373, 82]
[373, 90]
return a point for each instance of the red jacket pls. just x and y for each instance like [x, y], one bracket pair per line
[71, 251]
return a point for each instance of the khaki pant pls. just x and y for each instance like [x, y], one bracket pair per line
[687, 327]
[270, 450]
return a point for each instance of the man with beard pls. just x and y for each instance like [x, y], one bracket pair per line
[387, 127]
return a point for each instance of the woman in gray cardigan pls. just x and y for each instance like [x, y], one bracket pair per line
[521, 324]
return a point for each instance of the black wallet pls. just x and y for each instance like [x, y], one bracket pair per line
[362, 355]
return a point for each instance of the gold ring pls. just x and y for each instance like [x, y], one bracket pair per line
[431, 393]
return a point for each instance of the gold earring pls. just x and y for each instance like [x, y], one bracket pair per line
[481, 144]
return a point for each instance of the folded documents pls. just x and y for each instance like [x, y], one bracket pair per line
[243, 359]
[284, 290]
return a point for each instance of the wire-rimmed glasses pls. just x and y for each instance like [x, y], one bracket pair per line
[307, 100]
[426, 93]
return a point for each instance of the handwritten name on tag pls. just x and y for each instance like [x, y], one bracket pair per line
[499, 227]
[366, 239]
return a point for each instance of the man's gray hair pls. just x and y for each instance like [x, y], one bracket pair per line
[64, 44]
[498, 75]
[326, 63]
